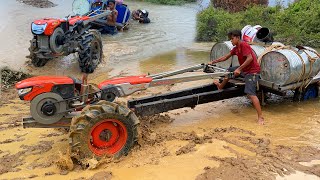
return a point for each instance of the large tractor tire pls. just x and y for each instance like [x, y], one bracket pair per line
[55, 40]
[36, 61]
[90, 55]
[39, 62]
[103, 131]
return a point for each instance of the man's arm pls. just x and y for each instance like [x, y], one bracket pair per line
[115, 15]
[223, 58]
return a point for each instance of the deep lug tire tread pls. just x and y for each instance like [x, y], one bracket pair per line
[93, 114]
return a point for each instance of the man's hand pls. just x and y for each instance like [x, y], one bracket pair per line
[237, 72]
[211, 62]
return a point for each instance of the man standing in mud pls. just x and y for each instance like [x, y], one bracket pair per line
[111, 28]
[249, 68]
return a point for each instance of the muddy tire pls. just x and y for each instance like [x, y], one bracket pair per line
[37, 62]
[102, 131]
[90, 55]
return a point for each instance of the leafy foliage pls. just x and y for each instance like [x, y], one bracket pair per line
[298, 24]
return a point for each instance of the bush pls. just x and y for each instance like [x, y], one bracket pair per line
[296, 25]
[171, 2]
[213, 24]
[237, 5]
[299, 23]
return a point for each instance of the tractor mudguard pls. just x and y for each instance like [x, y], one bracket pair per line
[52, 23]
[131, 80]
[42, 84]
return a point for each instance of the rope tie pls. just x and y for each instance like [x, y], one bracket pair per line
[312, 61]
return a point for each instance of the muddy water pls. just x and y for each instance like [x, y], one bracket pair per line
[172, 27]
[287, 124]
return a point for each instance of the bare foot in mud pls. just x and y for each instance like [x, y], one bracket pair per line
[217, 84]
[261, 121]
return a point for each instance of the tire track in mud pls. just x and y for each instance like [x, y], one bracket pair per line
[268, 160]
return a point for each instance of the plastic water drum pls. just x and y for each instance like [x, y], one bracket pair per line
[123, 13]
[248, 33]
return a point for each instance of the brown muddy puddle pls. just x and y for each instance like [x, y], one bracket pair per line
[214, 140]
[219, 140]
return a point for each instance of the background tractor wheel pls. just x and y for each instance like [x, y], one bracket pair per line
[102, 130]
[37, 62]
[90, 55]
[56, 44]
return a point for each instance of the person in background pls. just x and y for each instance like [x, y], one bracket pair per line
[141, 16]
[249, 68]
[110, 27]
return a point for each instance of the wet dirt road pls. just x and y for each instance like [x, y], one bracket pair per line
[185, 144]
[172, 27]
[215, 140]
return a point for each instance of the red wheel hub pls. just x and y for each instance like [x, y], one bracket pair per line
[107, 137]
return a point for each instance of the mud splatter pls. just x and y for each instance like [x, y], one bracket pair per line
[32, 176]
[12, 122]
[190, 147]
[64, 162]
[41, 147]
[38, 3]
[39, 164]
[9, 163]
[106, 175]
[10, 77]
[49, 173]
[11, 141]
[54, 134]
[268, 163]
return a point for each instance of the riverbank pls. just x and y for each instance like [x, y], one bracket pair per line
[170, 2]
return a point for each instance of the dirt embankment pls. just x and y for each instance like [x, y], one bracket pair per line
[10, 77]
[38, 3]
[267, 162]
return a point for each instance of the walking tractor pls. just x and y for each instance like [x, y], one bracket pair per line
[101, 127]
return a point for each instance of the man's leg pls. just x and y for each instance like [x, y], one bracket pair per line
[256, 104]
[225, 79]
[250, 89]
[222, 84]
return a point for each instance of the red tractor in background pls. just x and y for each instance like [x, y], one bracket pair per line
[54, 37]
